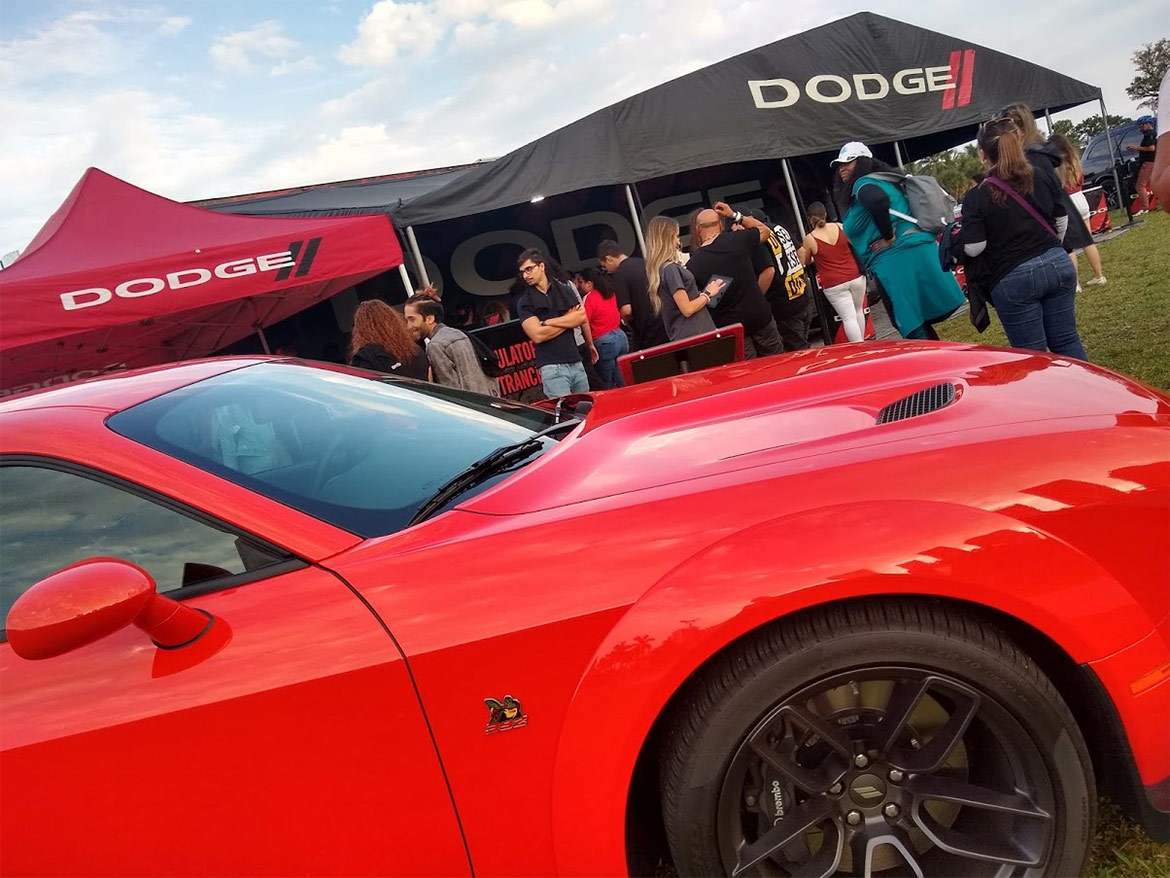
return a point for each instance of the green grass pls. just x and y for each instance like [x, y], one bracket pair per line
[1123, 850]
[1125, 325]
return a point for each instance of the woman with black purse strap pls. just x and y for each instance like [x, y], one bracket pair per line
[1016, 219]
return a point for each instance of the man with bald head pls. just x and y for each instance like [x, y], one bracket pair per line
[714, 251]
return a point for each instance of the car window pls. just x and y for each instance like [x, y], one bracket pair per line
[1096, 152]
[50, 519]
[1131, 137]
[361, 453]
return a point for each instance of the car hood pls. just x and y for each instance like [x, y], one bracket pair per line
[800, 405]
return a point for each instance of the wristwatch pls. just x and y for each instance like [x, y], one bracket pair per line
[738, 217]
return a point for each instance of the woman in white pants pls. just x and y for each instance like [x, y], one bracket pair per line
[840, 277]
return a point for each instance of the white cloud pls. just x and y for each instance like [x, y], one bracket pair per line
[304, 65]
[75, 45]
[234, 52]
[391, 29]
[173, 25]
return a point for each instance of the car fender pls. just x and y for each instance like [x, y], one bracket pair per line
[825, 554]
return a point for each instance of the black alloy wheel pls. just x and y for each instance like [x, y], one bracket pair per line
[884, 738]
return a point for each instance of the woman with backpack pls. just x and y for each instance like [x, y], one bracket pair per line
[904, 259]
[1014, 222]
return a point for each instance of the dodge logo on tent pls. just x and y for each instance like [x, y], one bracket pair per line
[282, 263]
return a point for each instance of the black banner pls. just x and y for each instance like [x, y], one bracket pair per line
[517, 358]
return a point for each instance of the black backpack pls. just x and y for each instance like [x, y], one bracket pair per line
[487, 358]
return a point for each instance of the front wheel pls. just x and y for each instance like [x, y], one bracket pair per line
[887, 738]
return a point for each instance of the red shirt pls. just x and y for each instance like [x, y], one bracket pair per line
[602, 313]
[835, 262]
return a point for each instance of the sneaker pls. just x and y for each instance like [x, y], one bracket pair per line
[1096, 281]
[1078, 288]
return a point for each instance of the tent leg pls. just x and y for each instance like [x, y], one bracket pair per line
[792, 198]
[402, 273]
[634, 216]
[1048, 120]
[263, 339]
[1113, 151]
[898, 155]
[418, 260]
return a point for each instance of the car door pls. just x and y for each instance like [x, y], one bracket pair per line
[288, 740]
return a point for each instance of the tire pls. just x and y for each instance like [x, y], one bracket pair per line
[912, 735]
[1111, 199]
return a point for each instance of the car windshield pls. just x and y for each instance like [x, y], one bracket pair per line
[362, 453]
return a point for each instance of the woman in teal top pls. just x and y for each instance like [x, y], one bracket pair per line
[904, 259]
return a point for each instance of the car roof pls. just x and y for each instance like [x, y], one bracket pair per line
[119, 390]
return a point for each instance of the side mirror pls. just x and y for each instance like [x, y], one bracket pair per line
[91, 600]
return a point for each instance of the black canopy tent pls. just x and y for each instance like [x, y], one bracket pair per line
[865, 77]
[346, 199]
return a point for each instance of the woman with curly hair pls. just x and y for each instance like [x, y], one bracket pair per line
[382, 341]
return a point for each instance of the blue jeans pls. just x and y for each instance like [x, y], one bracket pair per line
[1035, 304]
[560, 379]
[609, 347]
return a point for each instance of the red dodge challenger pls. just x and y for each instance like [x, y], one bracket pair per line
[897, 609]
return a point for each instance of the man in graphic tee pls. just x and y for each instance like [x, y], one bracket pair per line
[781, 280]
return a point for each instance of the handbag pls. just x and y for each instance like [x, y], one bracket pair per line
[1019, 199]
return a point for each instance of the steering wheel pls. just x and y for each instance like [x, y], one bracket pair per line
[322, 470]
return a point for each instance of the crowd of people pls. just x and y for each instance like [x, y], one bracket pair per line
[1023, 222]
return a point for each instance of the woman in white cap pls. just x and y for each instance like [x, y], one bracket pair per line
[918, 293]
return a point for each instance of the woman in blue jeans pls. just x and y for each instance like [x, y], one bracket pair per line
[605, 324]
[1013, 224]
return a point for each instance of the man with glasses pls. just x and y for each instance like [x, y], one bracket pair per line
[549, 311]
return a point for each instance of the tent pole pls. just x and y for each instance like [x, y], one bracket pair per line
[1048, 120]
[1116, 179]
[635, 218]
[260, 328]
[792, 198]
[405, 275]
[898, 155]
[422, 269]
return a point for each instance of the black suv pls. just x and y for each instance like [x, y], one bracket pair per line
[1099, 167]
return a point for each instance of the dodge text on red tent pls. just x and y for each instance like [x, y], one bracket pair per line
[829, 88]
[282, 263]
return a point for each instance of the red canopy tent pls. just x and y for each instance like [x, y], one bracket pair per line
[120, 277]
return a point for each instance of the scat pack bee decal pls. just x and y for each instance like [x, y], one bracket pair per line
[504, 715]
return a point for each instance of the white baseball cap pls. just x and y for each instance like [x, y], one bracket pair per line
[852, 150]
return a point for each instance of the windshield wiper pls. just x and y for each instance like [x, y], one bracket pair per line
[484, 468]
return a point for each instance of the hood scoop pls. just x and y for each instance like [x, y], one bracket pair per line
[929, 399]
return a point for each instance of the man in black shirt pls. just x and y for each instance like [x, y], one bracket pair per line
[714, 251]
[1146, 151]
[549, 311]
[781, 280]
[629, 279]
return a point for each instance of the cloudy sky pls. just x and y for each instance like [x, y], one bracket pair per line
[198, 98]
